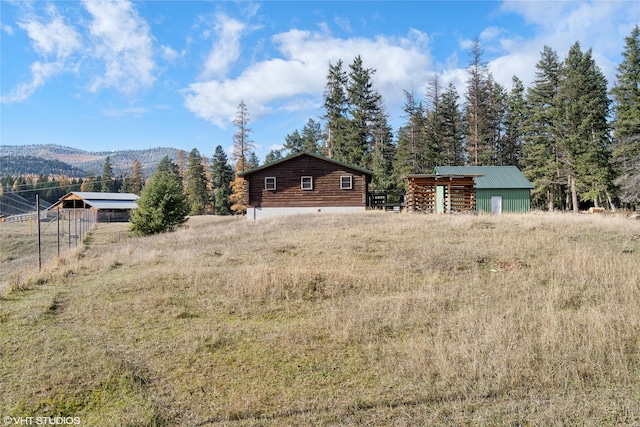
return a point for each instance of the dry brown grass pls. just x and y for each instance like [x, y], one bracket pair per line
[375, 319]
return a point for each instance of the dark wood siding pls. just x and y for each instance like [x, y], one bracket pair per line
[326, 185]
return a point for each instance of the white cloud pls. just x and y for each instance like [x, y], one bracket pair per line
[169, 54]
[40, 73]
[7, 29]
[279, 83]
[135, 111]
[598, 25]
[343, 23]
[226, 48]
[122, 40]
[52, 39]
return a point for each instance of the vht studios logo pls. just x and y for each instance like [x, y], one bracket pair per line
[41, 421]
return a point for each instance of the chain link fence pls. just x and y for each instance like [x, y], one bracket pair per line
[30, 240]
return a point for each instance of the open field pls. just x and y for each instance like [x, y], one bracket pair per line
[363, 319]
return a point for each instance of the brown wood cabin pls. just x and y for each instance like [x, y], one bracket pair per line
[305, 183]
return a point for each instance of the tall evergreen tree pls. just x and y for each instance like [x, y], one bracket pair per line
[584, 137]
[363, 103]
[452, 133]
[540, 152]
[221, 177]
[197, 197]
[382, 155]
[242, 143]
[162, 205]
[477, 114]
[311, 139]
[515, 115]
[335, 105]
[496, 116]
[436, 154]
[411, 154]
[626, 124]
[242, 148]
[107, 176]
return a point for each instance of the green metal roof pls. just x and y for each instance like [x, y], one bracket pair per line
[291, 156]
[493, 176]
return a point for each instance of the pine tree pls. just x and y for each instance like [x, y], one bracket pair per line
[496, 115]
[477, 114]
[584, 137]
[107, 176]
[626, 125]
[89, 183]
[162, 205]
[452, 133]
[196, 183]
[384, 178]
[311, 139]
[242, 143]
[136, 179]
[335, 105]
[181, 162]
[411, 153]
[435, 153]
[221, 177]
[363, 103]
[540, 152]
[273, 156]
[253, 161]
[293, 142]
[242, 146]
[515, 115]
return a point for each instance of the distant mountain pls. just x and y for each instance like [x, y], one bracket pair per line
[121, 161]
[26, 165]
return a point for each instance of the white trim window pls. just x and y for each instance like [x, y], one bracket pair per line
[306, 183]
[270, 183]
[346, 182]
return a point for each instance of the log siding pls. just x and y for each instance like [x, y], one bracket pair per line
[326, 190]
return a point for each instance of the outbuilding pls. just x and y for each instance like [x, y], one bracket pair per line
[305, 183]
[108, 207]
[498, 189]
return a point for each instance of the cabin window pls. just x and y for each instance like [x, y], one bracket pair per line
[306, 183]
[270, 183]
[346, 182]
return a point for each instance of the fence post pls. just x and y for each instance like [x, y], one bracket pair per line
[39, 240]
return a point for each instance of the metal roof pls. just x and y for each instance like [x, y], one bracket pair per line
[317, 156]
[493, 176]
[101, 200]
[92, 195]
[112, 204]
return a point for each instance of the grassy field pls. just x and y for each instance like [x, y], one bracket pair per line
[363, 319]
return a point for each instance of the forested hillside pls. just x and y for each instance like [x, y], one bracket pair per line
[87, 161]
[26, 165]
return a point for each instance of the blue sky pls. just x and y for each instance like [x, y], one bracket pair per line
[115, 75]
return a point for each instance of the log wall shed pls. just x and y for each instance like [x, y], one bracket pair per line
[498, 189]
[305, 183]
[445, 193]
[109, 207]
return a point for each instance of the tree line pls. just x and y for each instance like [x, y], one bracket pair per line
[577, 142]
